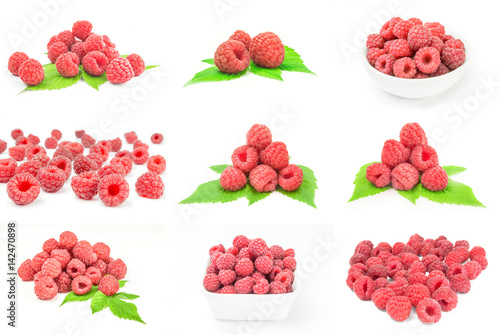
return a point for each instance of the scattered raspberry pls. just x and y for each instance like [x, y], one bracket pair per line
[119, 71]
[50, 245]
[113, 190]
[435, 179]
[116, 144]
[51, 268]
[375, 41]
[404, 177]
[233, 179]
[57, 49]
[18, 152]
[244, 285]
[83, 251]
[240, 242]
[94, 42]
[428, 311]
[474, 269]
[399, 286]
[79, 49]
[400, 48]
[23, 189]
[243, 37]
[385, 64]
[289, 253]
[25, 271]
[436, 28]
[452, 58]
[374, 53]
[45, 288]
[63, 151]
[94, 274]
[82, 29]
[405, 68]
[62, 256]
[7, 169]
[290, 178]
[63, 282]
[131, 137]
[460, 283]
[416, 293]
[51, 178]
[427, 60]
[67, 38]
[377, 271]
[419, 37]
[3, 146]
[446, 298]
[67, 240]
[232, 57]
[387, 30]
[454, 44]
[141, 155]
[157, 164]
[15, 61]
[111, 169]
[124, 162]
[264, 264]
[117, 268]
[16, 133]
[137, 63]
[34, 150]
[399, 308]
[381, 296]
[140, 143]
[62, 163]
[95, 63]
[267, 50]
[402, 28]
[51, 143]
[84, 164]
[245, 158]
[87, 141]
[244, 267]
[81, 285]
[437, 44]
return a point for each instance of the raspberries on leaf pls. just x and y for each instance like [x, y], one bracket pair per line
[245, 158]
[95, 63]
[137, 64]
[15, 61]
[243, 37]
[263, 178]
[67, 64]
[31, 72]
[275, 155]
[259, 136]
[232, 179]
[290, 178]
[435, 179]
[150, 185]
[82, 29]
[379, 174]
[232, 57]
[267, 50]
[119, 71]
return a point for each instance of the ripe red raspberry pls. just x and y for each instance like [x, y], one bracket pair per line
[394, 153]
[111, 169]
[377, 271]
[25, 271]
[436, 28]
[454, 44]
[57, 49]
[387, 30]
[477, 251]
[375, 41]
[231, 57]
[437, 44]
[85, 185]
[156, 164]
[405, 68]
[23, 189]
[227, 277]
[81, 285]
[7, 169]
[62, 256]
[402, 28]
[67, 240]
[244, 285]
[290, 263]
[267, 50]
[435, 179]
[245, 158]
[137, 63]
[116, 144]
[102, 251]
[211, 282]
[157, 138]
[264, 264]
[416, 293]
[94, 42]
[62, 163]
[427, 60]
[84, 164]
[257, 247]
[452, 58]
[38, 260]
[436, 282]
[95, 63]
[79, 49]
[275, 155]
[34, 150]
[240, 242]
[67, 38]
[21, 140]
[45, 288]
[113, 190]
[51, 178]
[16, 133]
[399, 308]
[364, 287]
[259, 137]
[385, 64]
[63, 151]
[290, 178]
[140, 143]
[277, 251]
[232, 179]
[220, 248]
[381, 296]
[428, 311]
[82, 29]
[455, 269]
[63, 282]
[56, 134]
[379, 174]
[119, 71]
[131, 137]
[460, 283]
[400, 48]
[51, 268]
[18, 152]
[474, 269]
[51, 143]
[35, 140]
[124, 162]
[15, 61]
[226, 262]
[243, 37]
[109, 285]
[283, 277]
[373, 54]
[150, 185]
[446, 298]
[3, 146]
[83, 251]
[111, 53]
[87, 140]
[94, 274]
[141, 155]
[101, 150]
[412, 135]
[404, 177]
[117, 269]
[261, 286]
[424, 157]
[419, 37]
[244, 267]
[75, 268]
[50, 245]
[277, 287]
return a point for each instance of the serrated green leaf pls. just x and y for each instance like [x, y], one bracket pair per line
[453, 170]
[413, 194]
[124, 310]
[212, 192]
[92, 81]
[125, 296]
[72, 297]
[99, 302]
[122, 283]
[209, 61]
[253, 196]
[454, 194]
[53, 80]
[213, 74]
[219, 168]
[266, 73]
[306, 193]
[293, 62]
[363, 188]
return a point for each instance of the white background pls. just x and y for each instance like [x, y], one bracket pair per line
[334, 123]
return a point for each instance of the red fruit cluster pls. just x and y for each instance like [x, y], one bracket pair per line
[266, 163]
[92, 178]
[234, 55]
[422, 273]
[68, 264]
[250, 266]
[413, 49]
[407, 162]
[29, 70]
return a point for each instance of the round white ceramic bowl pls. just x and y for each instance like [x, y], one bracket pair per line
[415, 88]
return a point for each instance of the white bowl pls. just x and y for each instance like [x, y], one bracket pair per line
[415, 88]
[251, 307]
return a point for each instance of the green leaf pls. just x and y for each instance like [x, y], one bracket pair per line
[253, 196]
[124, 310]
[293, 62]
[363, 188]
[454, 194]
[266, 73]
[72, 297]
[92, 81]
[413, 194]
[212, 192]
[209, 61]
[125, 296]
[453, 170]
[213, 74]
[53, 80]
[148, 67]
[307, 191]
[99, 302]
[219, 168]
[122, 283]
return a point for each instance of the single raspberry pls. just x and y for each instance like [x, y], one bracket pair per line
[446, 298]
[67, 38]
[243, 37]
[227, 277]
[240, 242]
[21, 140]
[79, 49]
[364, 287]
[75, 268]
[452, 58]
[381, 296]
[419, 37]
[140, 143]
[95, 63]
[18, 152]
[427, 60]
[399, 308]
[63, 151]
[23, 189]
[405, 68]
[87, 140]
[116, 144]
[51, 268]
[34, 150]
[111, 53]
[387, 30]
[45, 288]
[141, 155]
[264, 264]
[456, 269]
[94, 274]
[84, 164]
[67, 240]
[399, 286]
[404, 177]
[381, 283]
[232, 57]
[435, 179]
[474, 269]
[51, 143]
[83, 251]
[226, 262]
[117, 268]
[436, 282]
[259, 137]
[137, 63]
[442, 69]
[394, 153]
[75, 148]
[244, 267]
[150, 185]
[63, 282]
[228, 289]
[233, 251]
[94, 42]
[283, 277]
[400, 48]
[373, 54]
[50, 245]
[3, 146]
[109, 285]
[211, 282]
[482, 260]
[124, 162]
[82, 29]
[63, 163]
[412, 135]
[57, 49]
[102, 251]
[416, 293]
[267, 50]
[244, 285]
[290, 178]
[157, 164]
[119, 71]
[257, 247]
[7, 169]
[271, 276]
[131, 137]
[436, 28]
[101, 265]
[402, 28]
[25, 271]
[424, 157]
[35, 140]
[81, 285]
[220, 248]
[275, 155]
[477, 251]
[15, 61]
[51, 178]
[377, 271]
[290, 263]
[289, 253]
[111, 169]
[452, 258]
[278, 252]
[385, 64]
[379, 174]
[30, 167]
[454, 44]
[157, 138]
[79, 133]
[277, 287]
[375, 41]
[245, 158]
[460, 283]
[62, 256]
[261, 286]
[232, 179]
[113, 190]
[101, 150]
[38, 260]
[16, 133]
[428, 311]
[437, 44]
[357, 258]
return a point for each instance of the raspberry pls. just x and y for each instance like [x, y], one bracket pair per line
[111, 169]
[49, 245]
[446, 298]
[83, 251]
[399, 286]
[137, 63]
[113, 190]
[419, 37]
[21, 140]
[84, 164]
[7, 169]
[452, 258]
[289, 253]
[381, 296]
[283, 277]
[79, 49]
[102, 251]
[18, 152]
[119, 71]
[436, 28]
[3, 146]
[67, 240]
[377, 271]
[427, 60]
[437, 44]
[404, 177]
[62, 256]
[227, 277]
[244, 267]
[228, 289]
[87, 141]
[245, 158]
[220, 248]
[261, 286]
[117, 268]
[34, 150]
[290, 263]
[124, 162]
[460, 283]
[233, 251]
[51, 143]
[232, 179]
[385, 64]
[111, 53]
[267, 50]
[38, 260]
[244, 285]
[157, 164]
[79, 133]
[477, 251]
[141, 155]
[51, 268]
[402, 28]
[94, 274]
[259, 137]
[424, 157]
[63, 151]
[211, 282]
[81, 285]
[387, 30]
[264, 264]
[157, 138]
[428, 311]
[95, 63]
[240, 242]
[82, 29]
[364, 287]
[442, 69]
[454, 44]
[67, 38]
[435, 179]
[140, 143]
[243, 37]
[405, 68]
[375, 41]
[57, 49]
[435, 283]
[275, 155]
[23, 189]
[45, 288]
[16, 133]
[109, 285]
[25, 271]
[473, 269]
[399, 308]
[35, 140]
[15, 61]
[51, 178]
[373, 54]
[62, 163]
[456, 269]
[379, 174]
[412, 135]
[232, 57]
[400, 48]
[75, 268]
[290, 178]
[394, 153]
[226, 262]
[277, 251]
[381, 283]
[94, 42]
[63, 282]
[257, 247]
[452, 58]
[277, 287]
[116, 144]
[416, 293]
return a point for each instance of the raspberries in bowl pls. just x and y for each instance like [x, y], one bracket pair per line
[412, 49]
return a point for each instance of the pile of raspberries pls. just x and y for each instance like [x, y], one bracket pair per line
[234, 55]
[71, 265]
[412, 49]
[396, 279]
[70, 48]
[266, 163]
[250, 266]
[403, 161]
[93, 176]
